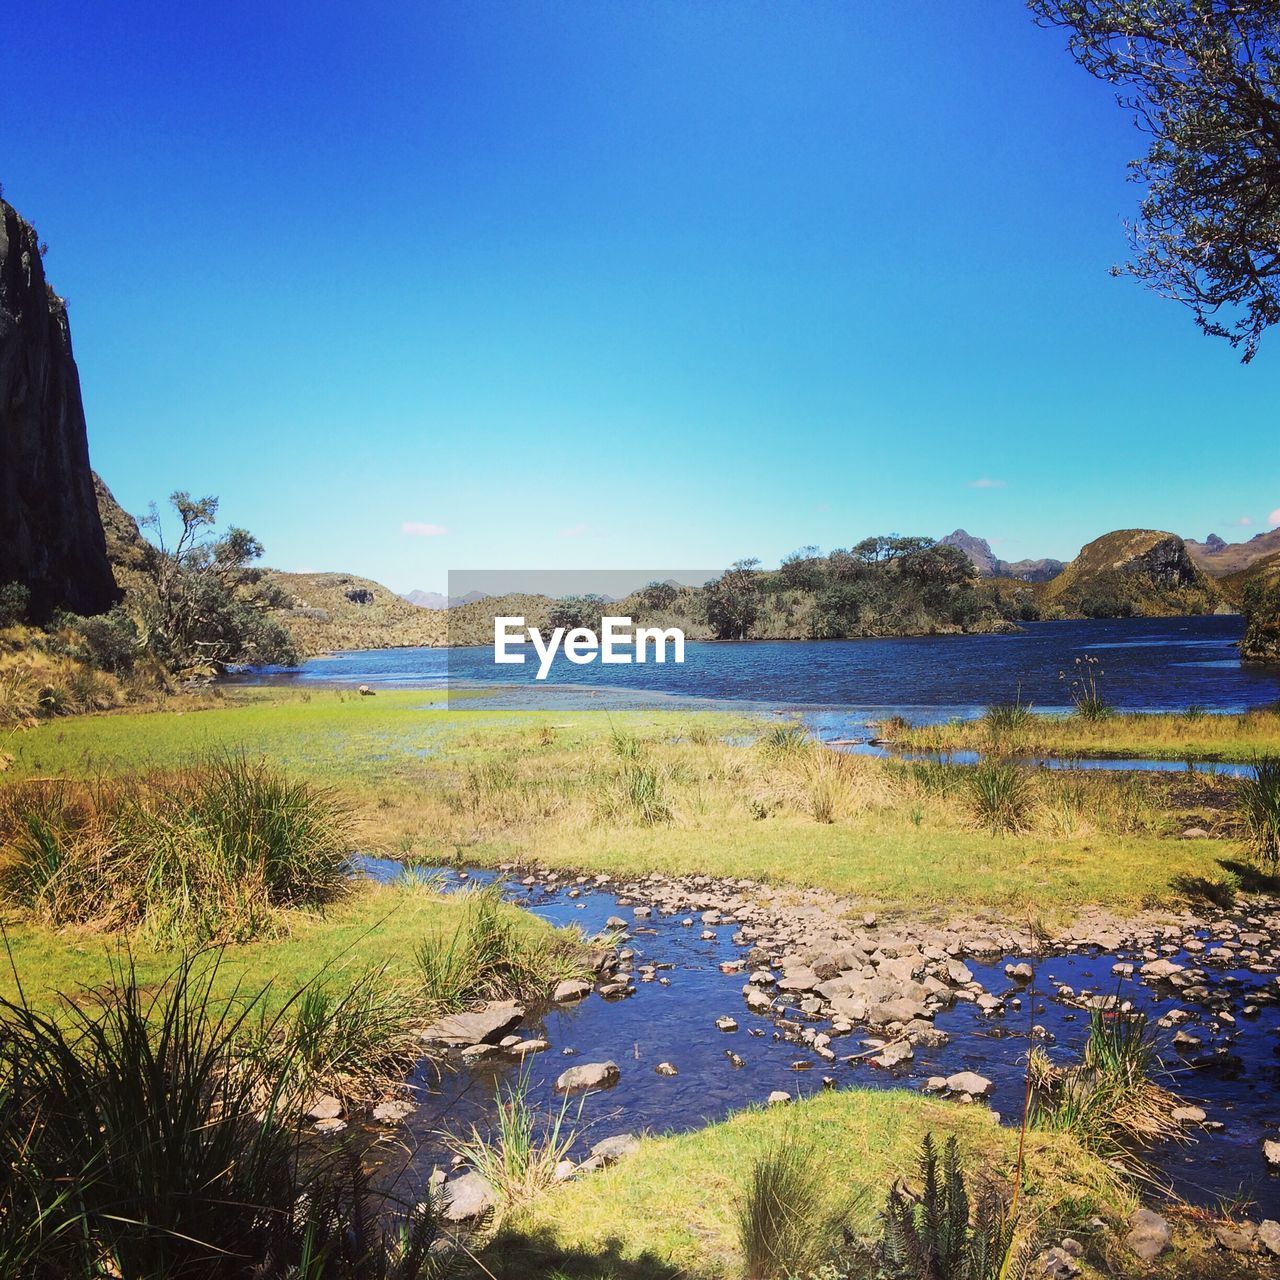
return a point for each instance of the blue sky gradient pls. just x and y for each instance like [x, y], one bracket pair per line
[605, 284]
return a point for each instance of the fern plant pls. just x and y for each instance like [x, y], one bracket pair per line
[936, 1237]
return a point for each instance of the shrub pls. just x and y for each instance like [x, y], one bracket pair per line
[488, 956]
[1000, 795]
[204, 852]
[1108, 1100]
[1008, 717]
[788, 1223]
[519, 1155]
[933, 1235]
[1259, 800]
[15, 600]
[136, 1141]
[784, 740]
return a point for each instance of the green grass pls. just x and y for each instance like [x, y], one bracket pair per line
[382, 926]
[1166, 736]
[672, 1208]
[674, 792]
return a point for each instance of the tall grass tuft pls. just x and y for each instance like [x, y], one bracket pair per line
[519, 1155]
[140, 1141]
[1259, 800]
[488, 956]
[785, 740]
[1108, 1101]
[788, 1221]
[1008, 717]
[1000, 797]
[206, 852]
[348, 1035]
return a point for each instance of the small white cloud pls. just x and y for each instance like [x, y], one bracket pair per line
[1274, 517]
[1243, 522]
[416, 529]
[573, 531]
[986, 483]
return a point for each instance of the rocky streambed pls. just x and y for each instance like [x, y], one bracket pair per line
[726, 993]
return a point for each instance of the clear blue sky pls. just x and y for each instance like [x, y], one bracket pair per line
[605, 284]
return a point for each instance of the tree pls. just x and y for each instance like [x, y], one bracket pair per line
[1202, 78]
[732, 601]
[206, 608]
[578, 611]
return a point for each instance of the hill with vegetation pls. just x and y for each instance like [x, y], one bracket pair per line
[324, 612]
[1130, 573]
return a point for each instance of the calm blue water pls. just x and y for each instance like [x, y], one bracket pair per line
[1159, 664]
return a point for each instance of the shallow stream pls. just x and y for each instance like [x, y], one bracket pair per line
[1234, 1073]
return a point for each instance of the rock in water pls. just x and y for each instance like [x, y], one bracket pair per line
[51, 537]
[588, 1075]
[484, 1026]
[969, 1082]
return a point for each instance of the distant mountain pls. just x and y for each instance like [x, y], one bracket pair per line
[1218, 558]
[434, 600]
[1132, 572]
[989, 565]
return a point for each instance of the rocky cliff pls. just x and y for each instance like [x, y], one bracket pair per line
[1142, 572]
[51, 536]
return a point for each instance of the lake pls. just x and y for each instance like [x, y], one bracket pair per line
[1147, 664]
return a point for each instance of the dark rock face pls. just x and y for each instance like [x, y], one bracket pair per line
[51, 536]
[360, 595]
[1167, 564]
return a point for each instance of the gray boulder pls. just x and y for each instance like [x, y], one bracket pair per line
[468, 1197]
[481, 1026]
[588, 1075]
[1149, 1235]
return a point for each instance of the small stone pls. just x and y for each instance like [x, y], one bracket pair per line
[667, 1069]
[326, 1107]
[392, 1112]
[609, 1150]
[1188, 1115]
[778, 1098]
[570, 989]
[1236, 1239]
[1271, 1150]
[330, 1125]
[523, 1047]
[1269, 1235]
[726, 1023]
[1149, 1235]
[467, 1197]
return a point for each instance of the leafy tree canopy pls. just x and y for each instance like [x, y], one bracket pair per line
[1202, 78]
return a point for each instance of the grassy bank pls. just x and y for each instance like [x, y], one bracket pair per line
[669, 1210]
[374, 927]
[1166, 736]
[680, 792]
